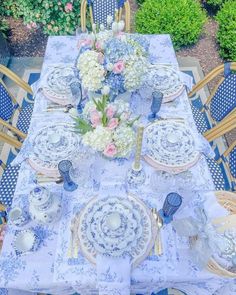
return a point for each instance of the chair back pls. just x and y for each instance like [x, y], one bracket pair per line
[224, 100]
[232, 162]
[6, 104]
[101, 9]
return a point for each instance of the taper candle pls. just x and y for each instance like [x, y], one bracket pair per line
[138, 151]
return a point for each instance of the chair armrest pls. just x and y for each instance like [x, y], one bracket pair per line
[13, 129]
[10, 140]
[4, 70]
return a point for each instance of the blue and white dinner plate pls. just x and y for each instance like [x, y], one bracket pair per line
[116, 227]
[166, 79]
[57, 84]
[46, 154]
[169, 146]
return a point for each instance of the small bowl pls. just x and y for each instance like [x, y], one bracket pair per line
[25, 241]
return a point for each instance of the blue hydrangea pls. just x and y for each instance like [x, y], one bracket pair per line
[116, 49]
[142, 41]
[116, 83]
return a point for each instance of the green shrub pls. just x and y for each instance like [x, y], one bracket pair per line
[3, 27]
[226, 35]
[140, 2]
[182, 19]
[56, 17]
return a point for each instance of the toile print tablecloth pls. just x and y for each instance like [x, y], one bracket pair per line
[49, 270]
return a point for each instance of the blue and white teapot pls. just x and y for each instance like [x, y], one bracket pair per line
[44, 207]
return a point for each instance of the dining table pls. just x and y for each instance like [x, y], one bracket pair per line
[49, 270]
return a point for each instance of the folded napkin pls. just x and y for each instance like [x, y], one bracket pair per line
[187, 81]
[113, 275]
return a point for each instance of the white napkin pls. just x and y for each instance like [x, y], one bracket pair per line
[187, 80]
[113, 275]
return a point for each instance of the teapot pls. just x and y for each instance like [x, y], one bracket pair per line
[44, 207]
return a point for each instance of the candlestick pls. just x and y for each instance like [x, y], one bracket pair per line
[139, 141]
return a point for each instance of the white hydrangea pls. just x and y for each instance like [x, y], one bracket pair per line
[124, 139]
[88, 108]
[134, 71]
[121, 106]
[98, 139]
[91, 72]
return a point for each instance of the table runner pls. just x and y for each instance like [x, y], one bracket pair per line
[47, 270]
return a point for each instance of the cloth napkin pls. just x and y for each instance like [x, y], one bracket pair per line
[187, 80]
[113, 275]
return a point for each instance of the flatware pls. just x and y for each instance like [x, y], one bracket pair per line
[56, 108]
[44, 179]
[158, 242]
[70, 253]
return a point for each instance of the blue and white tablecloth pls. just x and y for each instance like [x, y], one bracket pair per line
[49, 270]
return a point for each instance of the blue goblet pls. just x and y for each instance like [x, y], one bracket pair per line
[157, 98]
[64, 168]
[171, 204]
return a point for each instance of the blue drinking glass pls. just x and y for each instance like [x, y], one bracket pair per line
[172, 203]
[64, 168]
[157, 98]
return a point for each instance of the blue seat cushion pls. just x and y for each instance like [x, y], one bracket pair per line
[224, 100]
[24, 118]
[6, 105]
[8, 184]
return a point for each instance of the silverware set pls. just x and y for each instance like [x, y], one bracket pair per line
[158, 248]
[73, 249]
[42, 178]
[60, 108]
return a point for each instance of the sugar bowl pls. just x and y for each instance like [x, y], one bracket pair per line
[44, 207]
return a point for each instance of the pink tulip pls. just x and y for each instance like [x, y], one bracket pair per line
[113, 123]
[95, 119]
[69, 7]
[118, 67]
[110, 150]
[110, 112]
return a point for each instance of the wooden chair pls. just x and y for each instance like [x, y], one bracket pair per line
[9, 106]
[220, 104]
[223, 169]
[99, 10]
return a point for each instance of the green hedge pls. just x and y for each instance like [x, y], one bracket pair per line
[226, 35]
[182, 19]
[56, 17]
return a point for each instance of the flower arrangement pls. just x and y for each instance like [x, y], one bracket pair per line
[107, 127]
[110, 58]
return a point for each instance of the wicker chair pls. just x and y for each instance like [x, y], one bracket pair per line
[223, 168]
[220, 104]
[8, 107]
[99, 10]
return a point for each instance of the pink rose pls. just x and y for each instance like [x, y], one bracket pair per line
[95, 119]
[34, 25]
[113, 123]
[84, 42]
[110, 150]
[110, 112]
[118, 67]
[68, 7]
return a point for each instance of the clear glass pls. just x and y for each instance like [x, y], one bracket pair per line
[81, 170]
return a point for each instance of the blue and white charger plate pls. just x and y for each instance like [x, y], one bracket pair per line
[45, 155]
[134, 235]
[169, 146]
[165, 79]
[57, 84]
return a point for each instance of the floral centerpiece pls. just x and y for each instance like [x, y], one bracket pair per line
[111, 59]
[107, 127]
